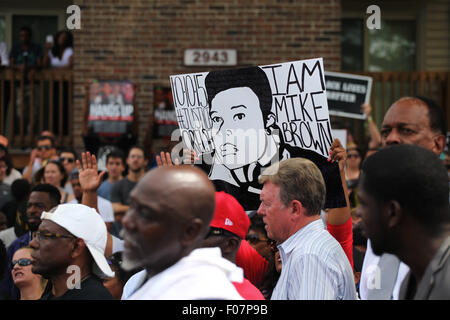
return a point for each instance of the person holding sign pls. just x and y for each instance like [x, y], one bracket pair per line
[247, 138]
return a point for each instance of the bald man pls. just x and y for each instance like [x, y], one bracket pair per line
[410, 120]
[170, 212]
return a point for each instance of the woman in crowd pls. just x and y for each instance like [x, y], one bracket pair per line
[12, 174]
[55, 174]
[60, 55]
[31, 285]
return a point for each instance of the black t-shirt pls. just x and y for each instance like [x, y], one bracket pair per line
[91, 289]
[120, 191]
[34, 53]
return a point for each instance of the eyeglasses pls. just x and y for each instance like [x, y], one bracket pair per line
[4, 167]
[49, 235]
[254, 239]
[40, 148]
[349, 156]
[70, 160]
[219, 232]
[22, 262]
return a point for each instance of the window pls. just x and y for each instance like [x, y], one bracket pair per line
[392, 48]
[41, 25]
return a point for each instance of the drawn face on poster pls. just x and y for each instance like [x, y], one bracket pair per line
[247, 119]
[231, 111]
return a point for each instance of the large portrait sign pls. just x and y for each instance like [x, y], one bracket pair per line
[243, 120]
[110, 107]
[347, 93]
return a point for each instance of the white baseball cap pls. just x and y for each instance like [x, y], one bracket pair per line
[85, 223]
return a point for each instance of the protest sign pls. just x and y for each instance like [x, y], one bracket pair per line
[110, 107]
[340, 134]
[244, 120]
[346, 94]
[165, 120]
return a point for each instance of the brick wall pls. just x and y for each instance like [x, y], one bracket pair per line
[144, 40]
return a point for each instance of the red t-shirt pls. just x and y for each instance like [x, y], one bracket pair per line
[343, 233]
[248, 291]
[253, 264]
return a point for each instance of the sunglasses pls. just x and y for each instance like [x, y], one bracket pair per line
[48, 235]
[40, 148]
[254, 239]
[219, 232]
[70, 160]
[22, 262]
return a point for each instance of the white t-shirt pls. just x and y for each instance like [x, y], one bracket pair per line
[369, 271]
[13, 176]
[104, 207]
[56, 62]
[204, 275]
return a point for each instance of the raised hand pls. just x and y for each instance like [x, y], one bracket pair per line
[90, 179]
[338, 153]
[164, 160]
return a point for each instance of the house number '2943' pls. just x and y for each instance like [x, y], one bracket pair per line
[210, 57]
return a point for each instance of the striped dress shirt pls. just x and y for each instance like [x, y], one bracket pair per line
[315, 267]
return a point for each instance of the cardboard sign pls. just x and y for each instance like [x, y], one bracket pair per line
[346, 93]
[243, 120]
[110, 107]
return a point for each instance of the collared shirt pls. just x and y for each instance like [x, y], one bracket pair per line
[202, 275]
[371, 275]
[315, 267]
[435, 283]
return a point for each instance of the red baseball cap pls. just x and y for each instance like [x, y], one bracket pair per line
[230, 215]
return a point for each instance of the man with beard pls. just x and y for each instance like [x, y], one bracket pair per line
[171, 209]
[120, 192]
[43, 197]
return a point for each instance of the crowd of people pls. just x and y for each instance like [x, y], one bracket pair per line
[153, 228]
[135, 232]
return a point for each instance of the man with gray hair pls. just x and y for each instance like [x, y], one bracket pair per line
[315, 266]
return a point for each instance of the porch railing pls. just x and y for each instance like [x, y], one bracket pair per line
[36, 101]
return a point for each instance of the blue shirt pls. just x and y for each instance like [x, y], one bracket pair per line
[315, 267]
[105, 190]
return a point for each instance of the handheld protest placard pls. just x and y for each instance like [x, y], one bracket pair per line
[243, 120]
[346, 94]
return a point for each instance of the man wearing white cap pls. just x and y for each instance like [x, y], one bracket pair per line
[69, 251]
